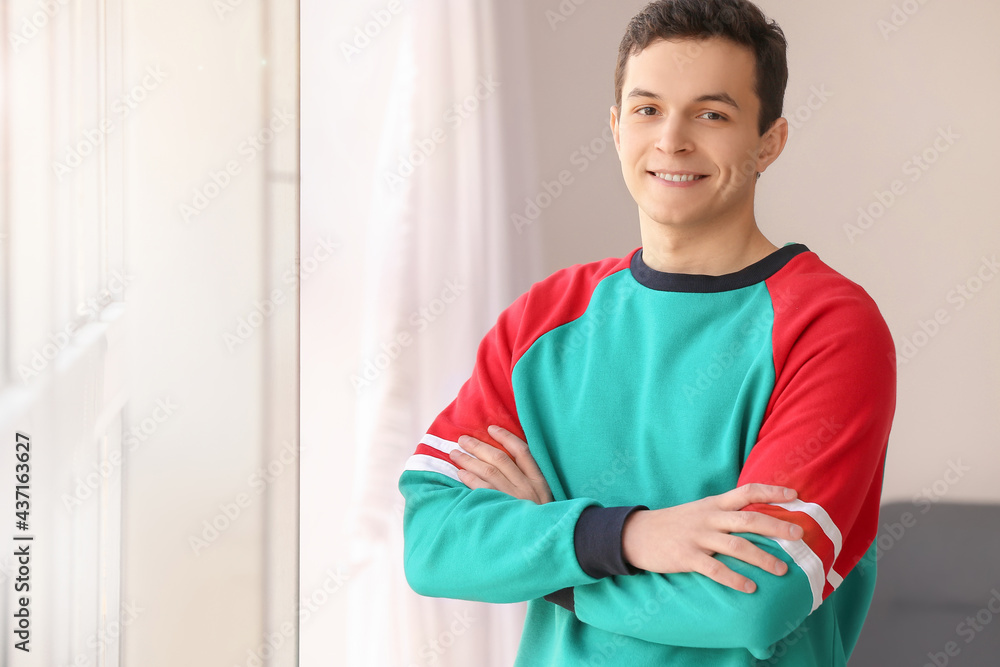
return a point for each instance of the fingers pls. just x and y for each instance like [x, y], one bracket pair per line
[519, 451]
[759, 524]
[477, 475]
[746, 551]
[531, 474]
[486, 462]
[487, 466]
[471, 480]
[741, 549]
[715, 570]
[749, 494]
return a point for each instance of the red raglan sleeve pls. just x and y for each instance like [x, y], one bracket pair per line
[826, 428]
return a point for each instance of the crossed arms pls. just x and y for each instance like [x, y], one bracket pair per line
[670, 540]
[735, 570]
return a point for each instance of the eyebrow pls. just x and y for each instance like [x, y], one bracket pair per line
[724, 98]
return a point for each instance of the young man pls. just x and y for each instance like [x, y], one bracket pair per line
[691, 438]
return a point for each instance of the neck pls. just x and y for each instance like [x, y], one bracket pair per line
[706, 251]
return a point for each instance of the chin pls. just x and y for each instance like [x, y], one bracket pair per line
[673, 221]
[675, 218]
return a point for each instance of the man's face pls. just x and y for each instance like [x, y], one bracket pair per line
[689, 107]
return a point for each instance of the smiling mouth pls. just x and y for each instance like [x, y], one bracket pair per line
[678, 178]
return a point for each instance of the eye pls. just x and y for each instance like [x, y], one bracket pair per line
[641, 109]
[713, 113]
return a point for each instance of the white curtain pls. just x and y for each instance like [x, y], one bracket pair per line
[443, 259]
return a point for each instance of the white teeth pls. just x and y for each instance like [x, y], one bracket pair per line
[678, 179]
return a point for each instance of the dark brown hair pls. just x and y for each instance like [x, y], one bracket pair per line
[739, 21]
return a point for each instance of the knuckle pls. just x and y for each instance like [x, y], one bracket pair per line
[495, 455]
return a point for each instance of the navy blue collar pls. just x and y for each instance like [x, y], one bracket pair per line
[692, 282]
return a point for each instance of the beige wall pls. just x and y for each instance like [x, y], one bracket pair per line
[888, 98]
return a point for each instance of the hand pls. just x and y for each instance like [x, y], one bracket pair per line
[490, 468]
[684, 538]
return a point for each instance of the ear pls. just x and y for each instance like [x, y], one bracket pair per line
[614, 130]
[772, 143]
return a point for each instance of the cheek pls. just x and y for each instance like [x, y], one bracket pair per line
[740, 160]
[632, 141]
[740, 167]
[630, 153]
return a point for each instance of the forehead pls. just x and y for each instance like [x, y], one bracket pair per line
[689, 67]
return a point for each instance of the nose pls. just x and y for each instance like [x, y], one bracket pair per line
[674, 136]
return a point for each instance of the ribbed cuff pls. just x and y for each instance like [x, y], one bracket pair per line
[598, 541]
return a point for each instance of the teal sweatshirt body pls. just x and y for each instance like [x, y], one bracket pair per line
[636, 388]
